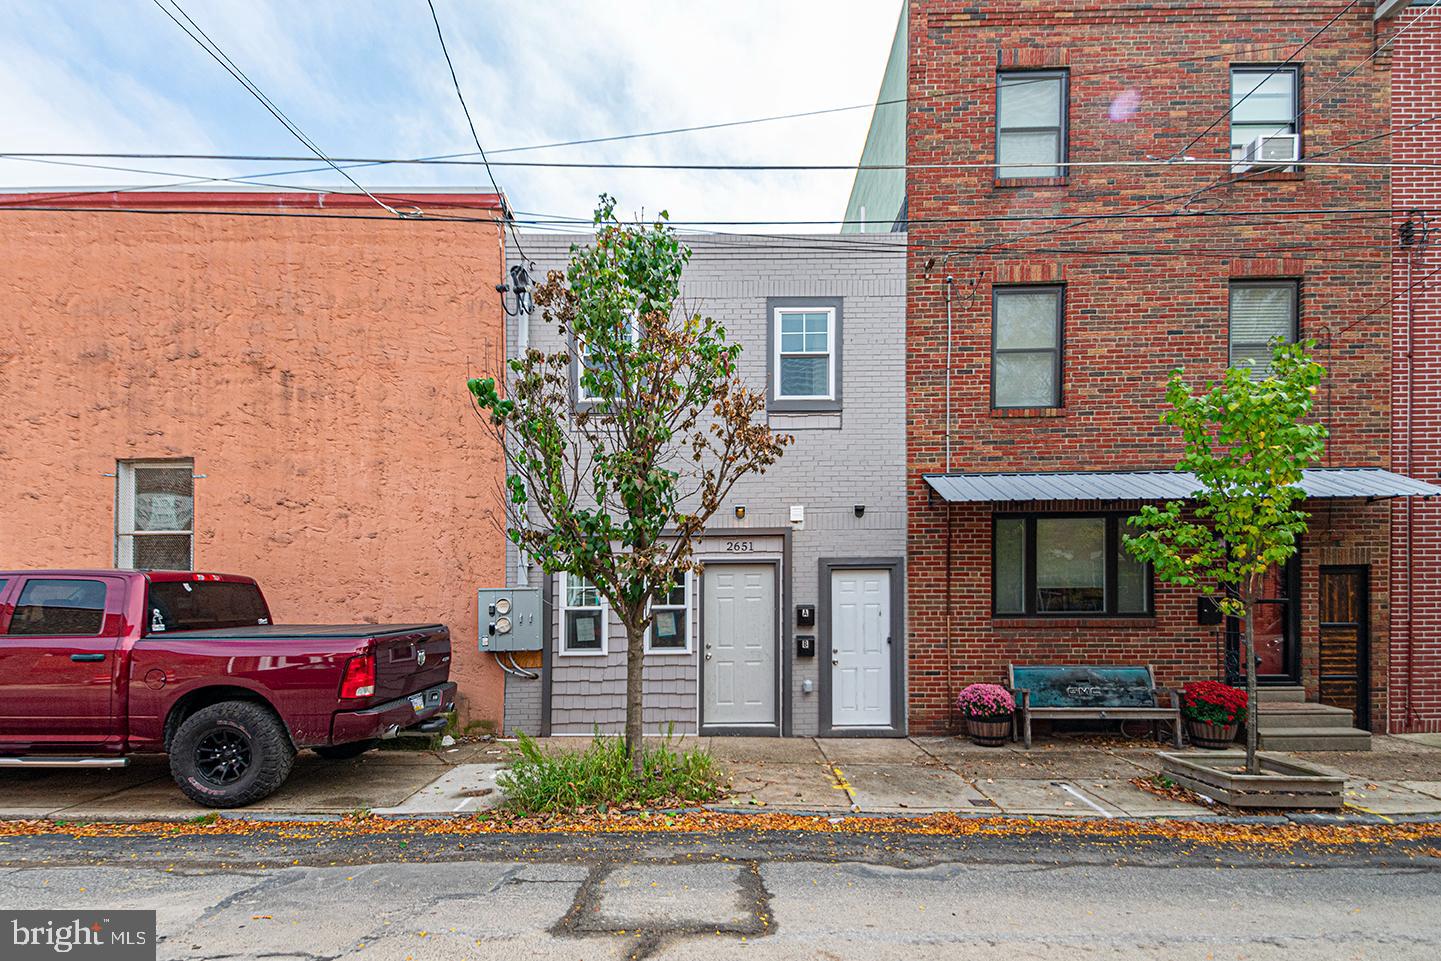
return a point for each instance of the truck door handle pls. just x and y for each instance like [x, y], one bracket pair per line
[87, 657]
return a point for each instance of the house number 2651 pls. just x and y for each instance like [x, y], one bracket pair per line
[740, 547]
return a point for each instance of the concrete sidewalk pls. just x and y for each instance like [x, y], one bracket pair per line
[1059, 777]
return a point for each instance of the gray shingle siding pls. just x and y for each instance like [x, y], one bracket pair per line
[840, 460]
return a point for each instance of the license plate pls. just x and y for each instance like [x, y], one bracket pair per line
[417, 702]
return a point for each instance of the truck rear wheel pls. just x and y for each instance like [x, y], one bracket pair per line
[344, 752]
[231, 754]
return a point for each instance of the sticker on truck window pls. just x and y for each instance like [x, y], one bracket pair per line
[157, 620]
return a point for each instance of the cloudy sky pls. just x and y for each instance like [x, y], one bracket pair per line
[366, 78]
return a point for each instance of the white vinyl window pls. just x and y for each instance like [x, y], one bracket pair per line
[805, 360]
[586, 361]
[155, 515]
[1261, 312]
[584, 617]
[670, 630]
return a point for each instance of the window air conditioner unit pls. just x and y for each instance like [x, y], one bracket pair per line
[1276, 150]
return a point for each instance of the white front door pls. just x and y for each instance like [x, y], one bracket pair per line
[861, 648]
[739, 636]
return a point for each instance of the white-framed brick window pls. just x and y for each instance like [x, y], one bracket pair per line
[155, 514]
[805, 359]
[670, 628]
[584, 616]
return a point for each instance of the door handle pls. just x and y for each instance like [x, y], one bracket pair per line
[79, 658]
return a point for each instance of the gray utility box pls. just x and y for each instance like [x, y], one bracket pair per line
[510, 619]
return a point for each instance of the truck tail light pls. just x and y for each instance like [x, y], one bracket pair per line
[359, 680]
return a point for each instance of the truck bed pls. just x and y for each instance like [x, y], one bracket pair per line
[307, 630]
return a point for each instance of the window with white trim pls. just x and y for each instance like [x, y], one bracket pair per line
[584, 617]
[155, 515]
[805, 360]
[670, 625]
[585, 361]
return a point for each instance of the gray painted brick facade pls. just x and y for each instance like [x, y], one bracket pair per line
[840, 460]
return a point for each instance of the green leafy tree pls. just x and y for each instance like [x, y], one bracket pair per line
[1247, 441]
[621, 445]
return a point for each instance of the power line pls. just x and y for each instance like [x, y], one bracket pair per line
[1236, 103]
[220, 57]
[455, 81]
[753, 167]
[1266, 215]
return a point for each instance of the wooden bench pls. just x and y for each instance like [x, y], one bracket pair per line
[1090, 692]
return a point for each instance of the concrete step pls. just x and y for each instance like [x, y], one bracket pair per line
[1270, 695]
[1316, 739]
[1278, 715]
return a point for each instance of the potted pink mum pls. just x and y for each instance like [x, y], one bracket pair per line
[989, 710]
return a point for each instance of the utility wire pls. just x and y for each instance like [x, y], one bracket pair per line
[758, 167]
[220, 57]
[455, 81]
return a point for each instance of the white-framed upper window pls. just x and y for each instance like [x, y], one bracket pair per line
[805, 360]
[584, 617]
[155, 515]
[584, 360]
[670, 628]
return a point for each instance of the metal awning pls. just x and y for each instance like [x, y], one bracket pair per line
[1159, 485]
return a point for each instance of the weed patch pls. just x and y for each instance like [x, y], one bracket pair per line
[600, 779]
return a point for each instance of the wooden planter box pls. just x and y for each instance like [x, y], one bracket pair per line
[1281, 784]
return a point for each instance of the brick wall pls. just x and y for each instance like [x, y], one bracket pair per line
[1416, 654]
[1143, 295]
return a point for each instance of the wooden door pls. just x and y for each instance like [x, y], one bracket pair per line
[1345, 675]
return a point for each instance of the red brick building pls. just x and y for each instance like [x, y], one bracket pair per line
[1416, 385]
[1052, 289]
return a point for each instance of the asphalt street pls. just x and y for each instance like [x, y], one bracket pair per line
[326, 895]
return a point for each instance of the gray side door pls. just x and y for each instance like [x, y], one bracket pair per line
[739, 634]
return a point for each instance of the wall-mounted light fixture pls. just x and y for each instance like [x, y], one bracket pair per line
[740, 512]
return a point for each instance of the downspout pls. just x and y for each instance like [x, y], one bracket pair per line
[950, 285]
[950, 631]
[1410, 501]
[950, 527]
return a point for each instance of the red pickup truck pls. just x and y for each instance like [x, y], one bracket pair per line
[96, 665]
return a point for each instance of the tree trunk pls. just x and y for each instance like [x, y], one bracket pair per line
[1253, 765]
[634, 693]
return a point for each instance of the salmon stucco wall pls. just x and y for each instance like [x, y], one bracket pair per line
[314, 369]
